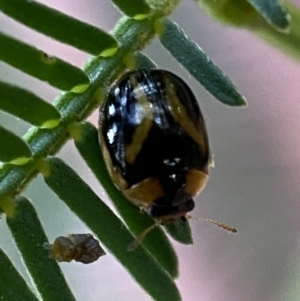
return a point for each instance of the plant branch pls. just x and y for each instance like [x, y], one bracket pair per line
[133, 36]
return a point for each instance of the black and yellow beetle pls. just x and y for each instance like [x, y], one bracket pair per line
[154, 142]
[155, 145]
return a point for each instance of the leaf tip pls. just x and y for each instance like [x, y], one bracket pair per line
[286, 28]
[242, 102]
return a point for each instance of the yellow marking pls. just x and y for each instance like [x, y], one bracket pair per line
[180, 115]
[145, 193]
[20, 161]
[195, 182]
[144, 115]
[138, 138]
[117, 178]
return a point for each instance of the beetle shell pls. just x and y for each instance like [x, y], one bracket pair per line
[154, 142]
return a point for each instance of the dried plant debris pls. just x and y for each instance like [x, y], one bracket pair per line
[79, 247]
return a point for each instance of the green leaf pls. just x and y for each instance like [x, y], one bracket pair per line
[143, 61]
[137, 9]
[250, 14]
[156, 241]
[37, 63]
[30, 237]
[233, 12]
[241, 13]
[180, 231]
[13, 149]
[12, 284]
[132, 35]
[274, 13]
[199, 65]
[81, 199]
[288, 43]
[60, 26]
[27, 106]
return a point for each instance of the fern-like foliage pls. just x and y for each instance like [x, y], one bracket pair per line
[153, 265]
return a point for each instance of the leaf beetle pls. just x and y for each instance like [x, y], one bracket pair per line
[155, 144]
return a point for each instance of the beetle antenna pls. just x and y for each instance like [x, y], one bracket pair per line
[214, 222]
[140, 238]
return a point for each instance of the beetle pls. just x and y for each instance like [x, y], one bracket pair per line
[154, 142]
[155, 145]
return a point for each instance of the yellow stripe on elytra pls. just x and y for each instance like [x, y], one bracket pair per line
[180, 115]
[145, 117]
[145, 193]
[114, 173]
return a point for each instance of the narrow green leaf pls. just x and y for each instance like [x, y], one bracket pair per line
[156, 241]
[250, 14]
[60, 26]
[288, 43]
[30, 237]
[109, 229]
[274, 13]
[137, 9]
[180, 231]
[28, 106]
[12, 286]
[132, 35]
[143, 61]
[233, 12]
[199, 65]
[242, 14]
[37, 63]
[13, 149]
